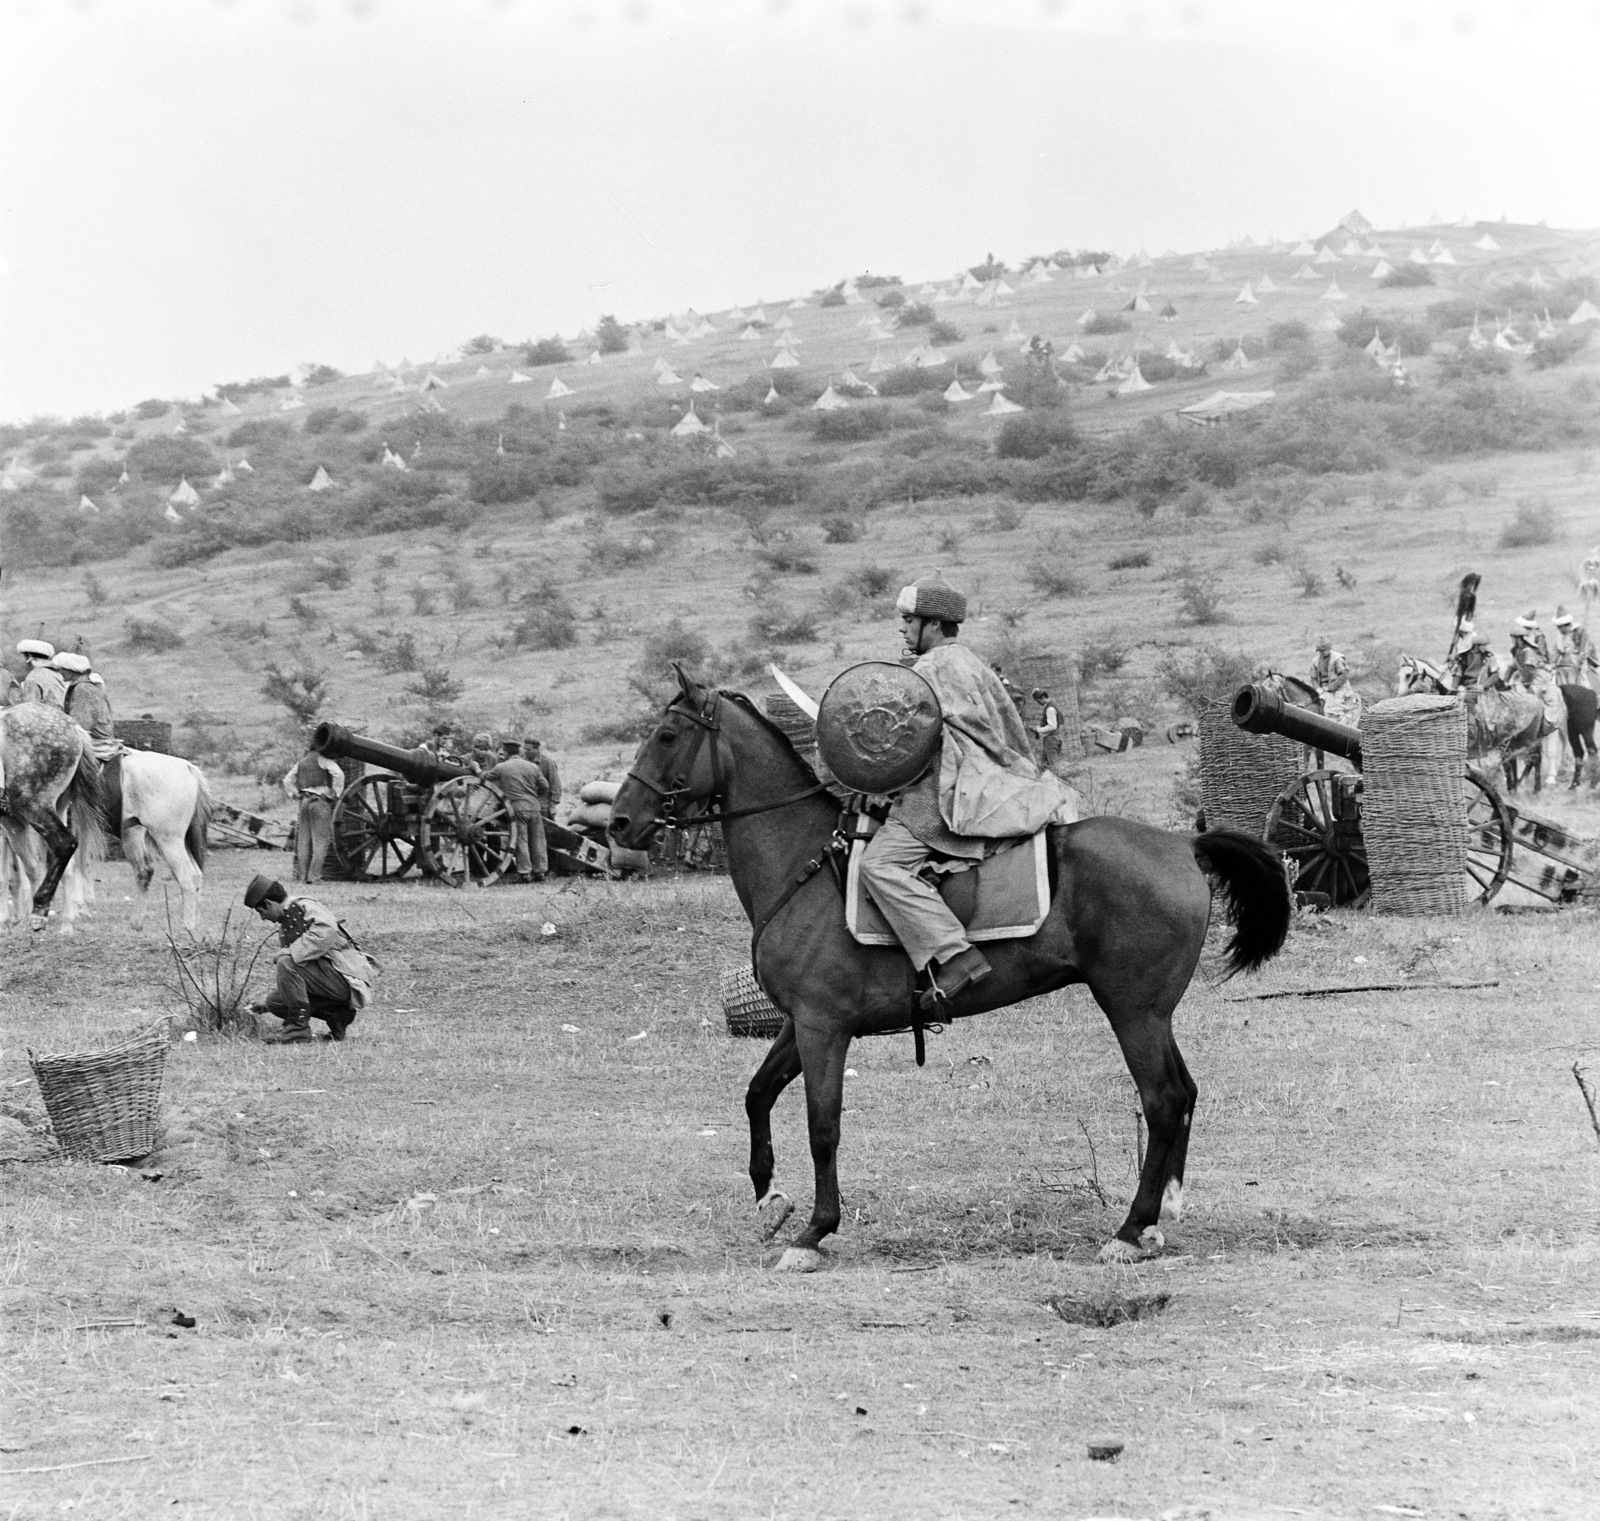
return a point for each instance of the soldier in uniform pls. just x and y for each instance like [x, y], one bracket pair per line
[1473, 666]
[320, 973]
[483, 759]
[1330, 675]
[533, 748]
[1574, 654]
[316, 784]
[526, 791]
[983, 786]
[1529, 651]
[87, 704]
[42, 683]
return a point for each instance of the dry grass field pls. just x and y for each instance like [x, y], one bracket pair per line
[495, 1254]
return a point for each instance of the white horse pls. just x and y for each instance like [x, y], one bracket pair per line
[162, 800]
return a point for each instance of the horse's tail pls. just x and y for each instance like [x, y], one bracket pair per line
[1252, 878]
[85, 800]
[194, 839]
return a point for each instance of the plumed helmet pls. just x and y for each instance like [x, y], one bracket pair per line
[71, 662]
[36, 647]
[931, 596]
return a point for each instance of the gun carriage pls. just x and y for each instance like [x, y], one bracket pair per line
[428, 813]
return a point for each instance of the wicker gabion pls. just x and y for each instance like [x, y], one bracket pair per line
[748, 1010]
[1058, 675]
[1242, 775]
[105, 1104]
[1414, 813]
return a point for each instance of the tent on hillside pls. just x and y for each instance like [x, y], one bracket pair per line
[1381, 268]
[1138, 304]
[1333, 293]
[122, 480]
[750, 335]
[994, 383]
[1326, 256]
[688, 425]
[725, 450]
[1168, 313]
[999, 407]
[669, 377]
[1305, 249]
[784, 360]
[1085, 272]
[736, 314]
[1306, 272]
[1586, 311]
[1444, 256]
[1266, 284]
[321, 481]
[483, 372]
[1002, 289]
[785, 322]
[829, 401]
[880, 363]
[1087, 316]
[433, 383]
[223, 477]
[243, 465]
[851, 381]
[1329, 322]
[558, 387]
[518, 378]
[700, 383]
[1417, 256]
[1375, 345]
[228, 409]
[931, 359]
[1237, 360]
[594, 358]
[1133, 384]
[970, 282]
[1487, 244]
[1351, 250]
[293, 404]
[85, 505]
[171, 514]
[1353, 221]
[798, 304]
[771, 396]
[989, 365]
[955, 391]
[391, 460]
[759, 314]
[1221, 405]
[1246, 297]
[181, 428]
[184, 495]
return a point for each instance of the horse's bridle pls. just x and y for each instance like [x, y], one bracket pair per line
[707, 725]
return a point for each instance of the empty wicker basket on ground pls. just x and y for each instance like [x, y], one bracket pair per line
[1414, 808]
[1242, 775]
[105, 1104]
[749, 1011]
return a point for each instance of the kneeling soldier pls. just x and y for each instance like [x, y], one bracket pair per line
[320, 973]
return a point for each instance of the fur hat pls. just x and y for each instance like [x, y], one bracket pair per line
[71, 662]
[932, 596]
[1527, 622]
[263, 889]
[36, 647]
[484, 741]
[1564, 620]
[1039, 694]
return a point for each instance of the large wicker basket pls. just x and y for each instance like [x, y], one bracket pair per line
[1414, 809]
[1242, 775]
[749, 1011]
[105, 1105]
[1058, 675]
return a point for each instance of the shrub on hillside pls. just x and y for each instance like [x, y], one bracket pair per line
[839, 529]
[164, 460]
[1559, 348]
[303, 690]
[775, 624]
[912, 380]
[1535, 523]
[546, 351]
[549, 621]
[1200, 677]
[1053, 574]
[1032, 435]
[152, 409]
[891, 299]
[96, 475]
[335, 420]
[1287, 335]
[611, 336]
[789, 559]
[237, 390]
[834, 296]
[1454, 312]
[916, 314]
[151, 636]
[850, 425]
[323, 375]
[1200, 597]
[941, 332]
[482, 344]
[1407, 276]
[1413, 337]
[1107, 322]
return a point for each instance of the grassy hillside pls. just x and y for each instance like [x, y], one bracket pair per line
[542, 586]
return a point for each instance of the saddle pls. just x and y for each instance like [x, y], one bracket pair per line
[1005, 897]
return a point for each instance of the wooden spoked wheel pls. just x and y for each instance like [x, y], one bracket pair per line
[465, 833]
[1490, 839]
[1317, 826]
[374, 828]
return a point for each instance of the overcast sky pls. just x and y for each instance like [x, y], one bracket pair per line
[198, 191]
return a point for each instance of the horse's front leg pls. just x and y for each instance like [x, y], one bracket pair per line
[776, 1072]
[822, 1058]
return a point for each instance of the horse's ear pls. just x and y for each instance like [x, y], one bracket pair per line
[686, 683]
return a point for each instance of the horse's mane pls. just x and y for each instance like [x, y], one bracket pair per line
[739, 700]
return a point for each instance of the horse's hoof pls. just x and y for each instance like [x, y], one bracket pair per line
[772, 1211]
[1151, 1244]
[800, 1259]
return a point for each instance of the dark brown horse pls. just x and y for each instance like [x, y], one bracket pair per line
[1128, 918]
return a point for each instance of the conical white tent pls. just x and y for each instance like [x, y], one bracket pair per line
[1168, 313]
[293, 404]
[184, 495]
[688, 425]
[1486, 243]
[970, 282]
[725, 450]
[483, 372]
[669, 378]
[880, 363]
[122, 480]
[558, 387]
[1586, 312]
[1086, 316]
[182, 427]
[1002, 289]
[784, 360]
[171, 514]
[1133, 384]
[1444, 256]
[700, 383]
[989, 365]
[1246, 297]
[243, 465]
[1137, 304]
[85, 505]
[931, 359]
[1266, 284]
[1237, 360]
[771, 396]
[999, 407]
[1305, 249]
[1329, 322]
[1381, 268]
[594, 358]
[829, 401]
[433, 383]
[1306, 272]
[321, 481]
[1417, 256]
[392, 460]
[750, 335]
[1351, 249]
[1333, 293]
[994, 383]
[854, 382]
[228, 409]
[519, 379]
[1326, 256]
[955, 391]
[1375, 345]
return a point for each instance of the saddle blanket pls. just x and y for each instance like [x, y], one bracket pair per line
[1007, 897]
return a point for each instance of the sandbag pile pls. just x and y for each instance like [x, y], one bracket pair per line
[592, 817]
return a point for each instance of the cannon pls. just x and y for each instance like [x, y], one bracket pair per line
[419, 810]
[1316, 823]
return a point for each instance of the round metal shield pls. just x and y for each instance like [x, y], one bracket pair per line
[878, 726]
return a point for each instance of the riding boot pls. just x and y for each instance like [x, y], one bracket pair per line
[954, 976]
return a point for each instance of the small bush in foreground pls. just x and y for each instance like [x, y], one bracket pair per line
[1134, 559]
[1200, 597]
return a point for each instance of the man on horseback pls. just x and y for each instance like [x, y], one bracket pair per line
[87, 704]
[982, 787]
[42, 683]
[1473, 666]
[320, 973]
[1330, 675]
[1529, 651]
[1574, 655]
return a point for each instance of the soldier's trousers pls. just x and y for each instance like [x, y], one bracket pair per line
[313, 836]
[527, 838]
[310, 990]
[913, 907]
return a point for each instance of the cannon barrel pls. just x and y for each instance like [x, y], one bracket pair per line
[422, 767]
[1260, 710]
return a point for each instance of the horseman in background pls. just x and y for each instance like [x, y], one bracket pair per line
[1330, 675]
[1574, 656]
[1473, 667]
